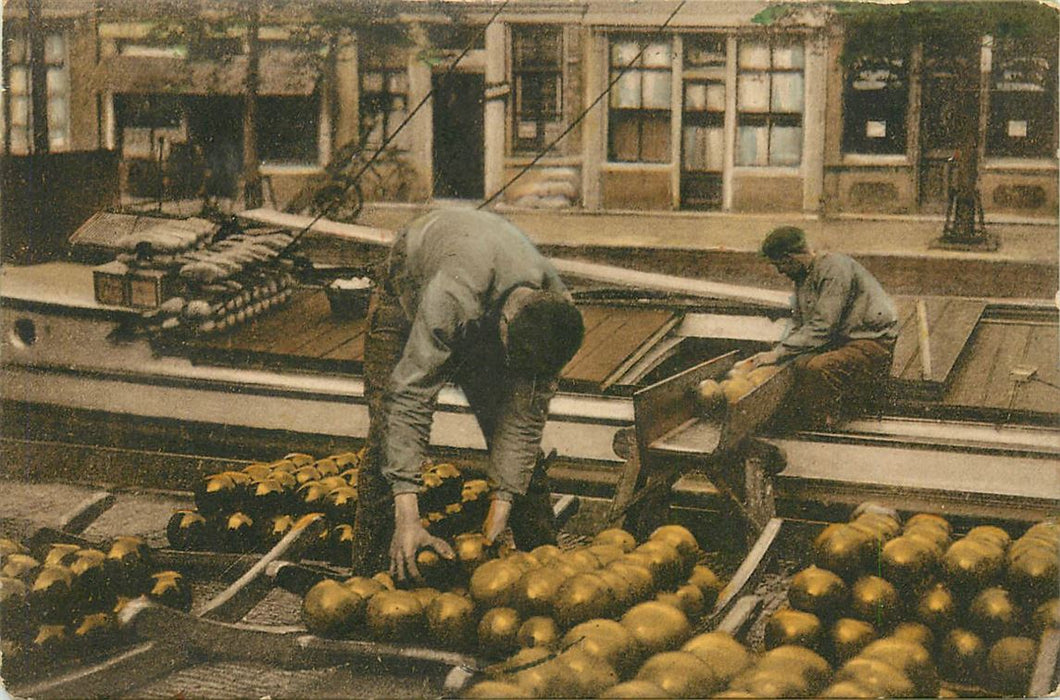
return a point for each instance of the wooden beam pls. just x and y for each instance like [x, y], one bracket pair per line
[923, 339]
[593, 271]
[247, 591]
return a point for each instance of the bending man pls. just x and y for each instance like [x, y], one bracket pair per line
[467, 298]
[843, 330]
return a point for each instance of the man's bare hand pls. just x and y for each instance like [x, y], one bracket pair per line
[769, 357]
[496, 519]
[409, 538]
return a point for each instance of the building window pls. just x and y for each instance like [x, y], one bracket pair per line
[1022, 100]
[639, 118]
[769, 103]
[704, 104]
[288, 129]
[537, 74]
[142, 119]
[149, 111]
[20, 93]
[384, 104]
[875, 102]
[703, 121]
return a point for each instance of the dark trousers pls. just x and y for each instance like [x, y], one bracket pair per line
[531, 517]
[841, 382]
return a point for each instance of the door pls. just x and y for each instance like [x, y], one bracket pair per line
[703, 122]
[949, 111]
[458, 136]
[216, 127]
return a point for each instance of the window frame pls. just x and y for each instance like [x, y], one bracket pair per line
[1039, 104]
[640, 117]
[708, 75]
[545, 72]
[890, 101]
[375, 66]
[309, 128]
[19, 35]
[770, 118]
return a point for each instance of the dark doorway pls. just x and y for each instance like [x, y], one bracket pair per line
[215, 126]
[458, 136]
[949, 106]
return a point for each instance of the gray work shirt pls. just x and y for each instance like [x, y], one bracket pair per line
[839, 301]
[452, 271]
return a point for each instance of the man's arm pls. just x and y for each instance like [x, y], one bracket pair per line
[817, 329]
[445, 307]
[516, 442]
[821, 321]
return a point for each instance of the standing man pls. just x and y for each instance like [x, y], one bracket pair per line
[843, 331]
[466, 297]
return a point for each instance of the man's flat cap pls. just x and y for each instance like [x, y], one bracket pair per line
[784, 240]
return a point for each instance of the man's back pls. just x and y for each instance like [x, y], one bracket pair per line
[478, 250]
[840, 292]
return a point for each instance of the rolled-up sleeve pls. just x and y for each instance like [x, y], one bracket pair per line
[517, 437]
[444, 309]
[819, 324]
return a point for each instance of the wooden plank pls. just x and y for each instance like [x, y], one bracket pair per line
[937, 309]
[923, 336]
[650, 342]
[352, 350]
[86, 512]
[951, 323]
[668, 283]
[751, 569]
[741, 616]
[327, 336]
[1045, 668]
[258, 334]
[905, 347]
[302, 330]
[950, 335]
[593, 315]
[998, 383]
[113, 677]
[603, 333]
[968, 387]
[616, 340]
[288, 647]
[247, 591]
[1041, 353]
[298, 222]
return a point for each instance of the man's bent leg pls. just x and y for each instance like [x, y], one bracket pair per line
[840, 381]
[374, 523]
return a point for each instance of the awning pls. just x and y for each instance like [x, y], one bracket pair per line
[284, 72]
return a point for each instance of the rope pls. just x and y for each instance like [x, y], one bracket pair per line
[584, 112]
[408, 118]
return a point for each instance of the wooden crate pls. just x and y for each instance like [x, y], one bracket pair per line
[110, 282]
[149, 288]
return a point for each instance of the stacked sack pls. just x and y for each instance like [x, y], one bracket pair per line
[223, 305]
[223, 282]
[894, 610]
[65, 603]
[562, 623]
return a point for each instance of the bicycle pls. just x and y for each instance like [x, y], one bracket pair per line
[339, 192]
